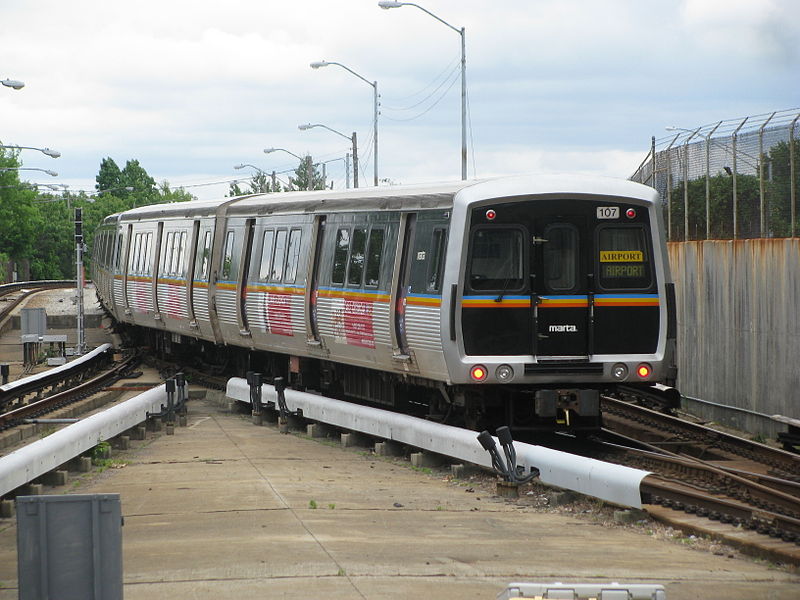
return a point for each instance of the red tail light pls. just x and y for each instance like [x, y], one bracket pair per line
[478, 372]
[644, 371]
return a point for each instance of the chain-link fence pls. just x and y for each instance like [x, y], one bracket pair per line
[732, 179]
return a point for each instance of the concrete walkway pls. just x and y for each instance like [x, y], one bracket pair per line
[226, 509]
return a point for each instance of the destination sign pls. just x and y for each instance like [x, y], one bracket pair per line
[622, 256]
[627, 271]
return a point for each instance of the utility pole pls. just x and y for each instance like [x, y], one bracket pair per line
[355, 161]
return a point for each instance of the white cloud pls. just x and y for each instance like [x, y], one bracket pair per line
[192, 88]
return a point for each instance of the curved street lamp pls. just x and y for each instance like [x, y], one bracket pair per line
[374, 84]
[352, 139]
[386, 5]
[48, 171]
[309, 166]
[13, 83]
[47, 151]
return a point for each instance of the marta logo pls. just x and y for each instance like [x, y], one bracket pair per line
[563, 329]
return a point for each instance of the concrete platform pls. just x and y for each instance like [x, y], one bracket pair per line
[227, 509]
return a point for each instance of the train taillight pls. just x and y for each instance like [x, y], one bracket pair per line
[478, 372]
[631, 213]
[491, 215]
[644, 371]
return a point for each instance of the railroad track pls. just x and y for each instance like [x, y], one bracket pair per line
[76, 389]
[703, 472]
[684, 438]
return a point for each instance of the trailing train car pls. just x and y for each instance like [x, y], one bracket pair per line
[506, 301]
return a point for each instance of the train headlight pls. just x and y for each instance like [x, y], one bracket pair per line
[619, 371]
[644, 371]
[504, 373]
[478, 372]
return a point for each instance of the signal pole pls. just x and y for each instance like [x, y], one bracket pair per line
[80, 347]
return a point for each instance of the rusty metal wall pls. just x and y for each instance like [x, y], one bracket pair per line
[739, 326]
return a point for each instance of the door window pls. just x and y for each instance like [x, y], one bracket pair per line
[561, 257]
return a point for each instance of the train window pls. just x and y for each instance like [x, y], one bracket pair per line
[340, 256]
[137, 252]
[496, 261]
[374, 253]
[561, 257]
[276, 273]
[355, 274]
[166, 263]
[293, 255]
[266, 255]
[433, 282]
[623, 258]
[227, 260]
[181, 271]
[205, 256]
[147, 268]
[119, 253]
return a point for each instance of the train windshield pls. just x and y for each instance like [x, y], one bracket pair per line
[496, 261]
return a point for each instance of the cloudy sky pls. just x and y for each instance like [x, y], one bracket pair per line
[192, 88]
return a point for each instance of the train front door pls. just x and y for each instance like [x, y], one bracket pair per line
[561, 295]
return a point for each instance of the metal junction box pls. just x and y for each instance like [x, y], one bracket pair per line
[69, 547]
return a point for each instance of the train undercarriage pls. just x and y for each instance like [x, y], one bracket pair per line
[521, 407]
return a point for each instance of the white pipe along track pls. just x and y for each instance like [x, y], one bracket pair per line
[606, 481]
[26, 464]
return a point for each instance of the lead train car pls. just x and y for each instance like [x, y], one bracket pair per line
[506, 301]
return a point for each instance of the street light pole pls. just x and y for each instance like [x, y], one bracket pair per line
[353, 141]
[374, 84]
[13, 83]
[309, 165]
[386, 5]
[48, 171]
[47, 151]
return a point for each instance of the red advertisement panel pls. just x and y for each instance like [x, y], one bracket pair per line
[279, 314]
[358, 323]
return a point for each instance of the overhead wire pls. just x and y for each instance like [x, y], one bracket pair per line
[447, 69]
[453, 78]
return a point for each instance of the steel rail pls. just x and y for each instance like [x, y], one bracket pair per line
[17, 391]
[620, 415]
[55, 401]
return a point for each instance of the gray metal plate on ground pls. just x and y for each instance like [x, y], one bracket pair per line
[581, 591]
[70, 547]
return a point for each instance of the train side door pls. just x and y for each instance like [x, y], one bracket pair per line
[312, 289]
[561, 296]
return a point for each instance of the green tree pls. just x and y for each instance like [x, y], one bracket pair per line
[720, 207]
[144, 190]
[778, 188]
[260, 183]
[109, 177]
[300, 179]
[18, 216]
[170, 195]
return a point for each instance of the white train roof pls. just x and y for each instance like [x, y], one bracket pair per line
[410, 197]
